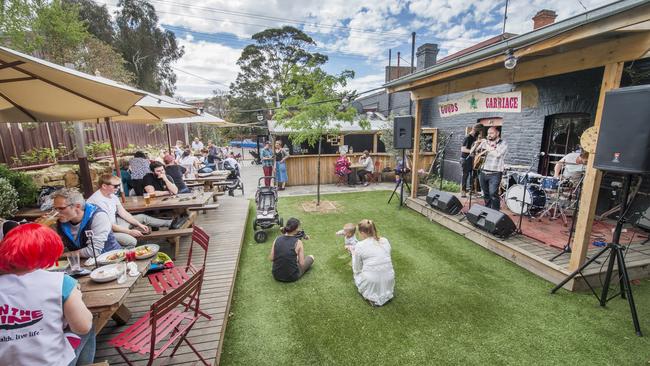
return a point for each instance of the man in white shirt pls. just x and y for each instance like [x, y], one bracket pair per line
[197, 144]
[572, 165]
[126, 227]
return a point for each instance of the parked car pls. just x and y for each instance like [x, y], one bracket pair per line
[245, 143]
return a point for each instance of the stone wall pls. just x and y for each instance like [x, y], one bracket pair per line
[67, 175]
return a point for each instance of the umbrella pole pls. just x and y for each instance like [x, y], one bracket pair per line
[169, 140]
[117, 166]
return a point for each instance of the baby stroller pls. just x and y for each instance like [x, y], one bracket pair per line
[233, 179]
[266, 199]
[256, 158]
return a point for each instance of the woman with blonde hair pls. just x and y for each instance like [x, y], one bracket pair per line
[372, 265]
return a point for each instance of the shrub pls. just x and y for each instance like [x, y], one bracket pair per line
[8, 199]
[23, 184]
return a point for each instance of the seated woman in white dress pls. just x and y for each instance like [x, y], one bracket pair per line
[372, 265]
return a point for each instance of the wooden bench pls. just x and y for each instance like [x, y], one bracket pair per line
[173, 236]
[206, 208]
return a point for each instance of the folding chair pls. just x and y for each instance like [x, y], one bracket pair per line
[171, 278]
[164, 323]
[376, 175]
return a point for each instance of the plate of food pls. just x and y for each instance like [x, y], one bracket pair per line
[146, 251]
[106, 273]
[58, 266]
[114, 256]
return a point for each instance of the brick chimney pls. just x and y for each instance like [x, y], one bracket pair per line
[544, 18]
[426, 55]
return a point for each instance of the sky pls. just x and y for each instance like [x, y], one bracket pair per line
[355, 35]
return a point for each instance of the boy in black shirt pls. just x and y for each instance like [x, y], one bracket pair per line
[158, 181]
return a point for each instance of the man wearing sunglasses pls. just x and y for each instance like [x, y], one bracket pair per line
[126, 227]
[75, 217]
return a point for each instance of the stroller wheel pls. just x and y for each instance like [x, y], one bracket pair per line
[260, 236]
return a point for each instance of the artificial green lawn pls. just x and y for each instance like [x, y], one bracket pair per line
[455, 303]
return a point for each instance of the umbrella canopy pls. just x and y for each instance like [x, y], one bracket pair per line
[34, 90]
[205, 118]
[155, 108]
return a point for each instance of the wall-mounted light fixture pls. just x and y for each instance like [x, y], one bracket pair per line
[511, 60]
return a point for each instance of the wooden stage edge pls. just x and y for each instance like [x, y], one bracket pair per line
[526, 252]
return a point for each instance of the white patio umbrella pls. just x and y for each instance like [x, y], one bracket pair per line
[34, 90]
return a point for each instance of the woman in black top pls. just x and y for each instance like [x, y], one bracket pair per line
[288, 254]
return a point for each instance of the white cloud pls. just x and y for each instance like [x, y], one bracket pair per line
[367, 82]
[210, 61]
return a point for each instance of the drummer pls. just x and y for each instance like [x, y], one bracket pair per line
[572, 165]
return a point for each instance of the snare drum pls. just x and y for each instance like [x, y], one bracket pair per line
[550, 183]
[533, 178]
[533, 203]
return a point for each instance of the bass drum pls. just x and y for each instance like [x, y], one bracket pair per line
[534, 202]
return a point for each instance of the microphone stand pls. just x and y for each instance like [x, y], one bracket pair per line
[523, 199]
[442, 158]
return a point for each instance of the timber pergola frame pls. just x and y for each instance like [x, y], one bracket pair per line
[605, 37]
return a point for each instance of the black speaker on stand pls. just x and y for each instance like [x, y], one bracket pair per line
[623, 147]
[403, 127]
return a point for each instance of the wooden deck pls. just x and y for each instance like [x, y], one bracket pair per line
[534, 255]
[226, 226]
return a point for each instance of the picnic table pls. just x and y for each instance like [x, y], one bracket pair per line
[184, 201]
[355, 169]
[217, 178]
[106, 300]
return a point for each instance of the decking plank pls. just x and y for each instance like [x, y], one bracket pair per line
[226, 228]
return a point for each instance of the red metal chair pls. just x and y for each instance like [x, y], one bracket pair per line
[167, 321]
[171, 278]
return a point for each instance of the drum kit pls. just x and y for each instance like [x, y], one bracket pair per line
[541, 196]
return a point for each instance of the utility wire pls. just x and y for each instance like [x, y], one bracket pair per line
[200, 77]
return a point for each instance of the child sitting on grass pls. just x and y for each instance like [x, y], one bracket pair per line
[349, 231]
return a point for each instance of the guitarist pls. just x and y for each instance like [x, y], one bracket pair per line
[467, 158]
[494, 149]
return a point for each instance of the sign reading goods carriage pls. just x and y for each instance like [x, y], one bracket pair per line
[482, 102]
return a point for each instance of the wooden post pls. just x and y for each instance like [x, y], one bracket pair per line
[591, 182]
[169, 139]
[416, 148]
[84, 169]
[374, 143]
[117, 165]
[49, 137]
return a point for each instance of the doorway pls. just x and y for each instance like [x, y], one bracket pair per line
[561, 136]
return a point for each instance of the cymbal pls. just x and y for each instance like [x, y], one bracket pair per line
[589, 139]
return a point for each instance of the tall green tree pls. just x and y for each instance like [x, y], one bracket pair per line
[148, 49]
[265, 67]
[312, 107]
[98, 20]
[49, 30]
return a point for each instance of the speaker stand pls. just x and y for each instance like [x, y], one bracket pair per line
[400, 182]
[471, 192]
[616, 255]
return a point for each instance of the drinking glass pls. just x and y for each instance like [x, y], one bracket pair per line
[147, 198]
[75, 262]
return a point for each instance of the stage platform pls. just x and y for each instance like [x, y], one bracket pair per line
[534, 255]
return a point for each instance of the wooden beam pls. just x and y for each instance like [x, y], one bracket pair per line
[630, 17]
[626, 47]
[374, 143]
[591, 182]
[416, 149]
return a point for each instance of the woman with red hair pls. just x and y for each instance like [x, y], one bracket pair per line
[36, 305]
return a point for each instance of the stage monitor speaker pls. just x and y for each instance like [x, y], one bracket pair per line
[403, 132]
[443, 201]
[494, 222]
[624, 137]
